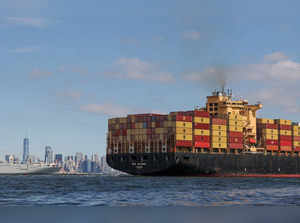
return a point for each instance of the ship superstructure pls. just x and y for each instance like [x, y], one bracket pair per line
[224, 137]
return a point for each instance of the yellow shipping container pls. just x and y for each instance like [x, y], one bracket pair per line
[235, 122]
[270, 131]
[219, 127]
[219, 145]
[186, 131]
[285, 132]
[117, 126]
[161, 130]
[201, 120]
[235, 128]
[283, 122]
[272, 137]
[123, 120]
[216, 139]
[153, 124]
[181, 124]
[218, 133]
[297, 143]
[265, 121]
[184, 137]
[235, 117]
[296, 130]
[201, 132]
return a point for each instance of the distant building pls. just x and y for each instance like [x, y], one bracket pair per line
[78, 161]
[58, 159]
[25, 150]
[10, 158]
[48, 155]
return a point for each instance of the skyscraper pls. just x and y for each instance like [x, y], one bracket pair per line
[25, 149]
[48, 155]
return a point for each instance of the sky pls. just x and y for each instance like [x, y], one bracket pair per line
[68, 66]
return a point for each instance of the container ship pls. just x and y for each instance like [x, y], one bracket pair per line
[224, 138]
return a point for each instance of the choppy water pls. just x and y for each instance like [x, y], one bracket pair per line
[147, 191]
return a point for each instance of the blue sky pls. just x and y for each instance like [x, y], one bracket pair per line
[67, 66]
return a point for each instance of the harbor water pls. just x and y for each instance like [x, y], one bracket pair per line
[131, 191]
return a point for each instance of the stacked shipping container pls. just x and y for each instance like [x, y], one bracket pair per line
[296, 137]
[235, 131]
[267, 133]
[184, 131]
[284, 134]
[201, 130]
[218, 134]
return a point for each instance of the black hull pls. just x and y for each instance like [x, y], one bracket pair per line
[188, 164]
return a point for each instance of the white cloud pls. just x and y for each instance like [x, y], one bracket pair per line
[25, 50]
[191, 35]
[38, 73]
[274, 57]
[274, 67]
[105, 109]
[286, 100]
[136, 69]
[27, 21]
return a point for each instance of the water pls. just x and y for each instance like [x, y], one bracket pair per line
[147, 191]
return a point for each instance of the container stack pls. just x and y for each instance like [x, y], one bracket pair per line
[267, 134]
[284, 135]
[296, 137]
[201, 130]
[218, 134]
[184, 131]
[235, 132]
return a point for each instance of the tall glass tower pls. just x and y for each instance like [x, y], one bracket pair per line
[25, 149]
[48, 155]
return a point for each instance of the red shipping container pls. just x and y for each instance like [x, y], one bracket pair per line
[285, 138]
[235, 145]
[184, 118]
[202, 144]
[285, 143]
[271, 126]
[271, 142]
[184, 143]
[238, 140]
[133, 125]
[297, 138]
[285, 148]
[202, 138]
[201, 113]
[218, 121]
[124, 132]
[285, 127]
[149, 132]
[235, 134]
[272, 147]
[201, 126]
[297, 149]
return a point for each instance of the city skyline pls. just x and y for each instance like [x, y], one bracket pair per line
[67, 68]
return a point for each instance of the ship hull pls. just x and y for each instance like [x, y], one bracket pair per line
[201, 164]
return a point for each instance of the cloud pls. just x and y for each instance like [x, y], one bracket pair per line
[191, 35]
[274, 57]
[105, 109]
[136, 69]
[274, 80]
[275, 67]
[280, 97]
[38, 73]
[27, 21]
[24, 50]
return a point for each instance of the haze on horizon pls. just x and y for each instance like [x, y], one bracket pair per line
[67, 66]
